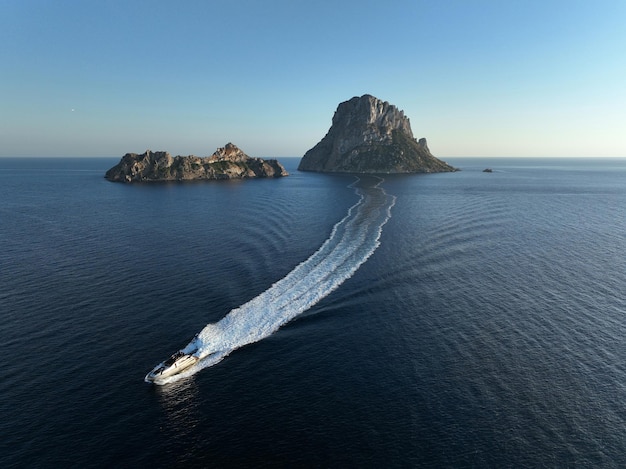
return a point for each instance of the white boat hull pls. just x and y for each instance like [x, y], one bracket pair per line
[177, 363]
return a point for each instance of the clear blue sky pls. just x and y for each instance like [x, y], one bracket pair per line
[476, 77]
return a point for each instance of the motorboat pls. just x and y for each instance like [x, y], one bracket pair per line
[175, 364]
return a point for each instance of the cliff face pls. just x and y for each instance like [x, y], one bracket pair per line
[228, 162]
[371, 136]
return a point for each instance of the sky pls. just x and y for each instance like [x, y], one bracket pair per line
[475, 77]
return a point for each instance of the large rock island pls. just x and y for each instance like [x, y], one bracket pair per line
[371, 136]
[228, 162]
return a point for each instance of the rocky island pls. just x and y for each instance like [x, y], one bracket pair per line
[228, 162]
[371, 136]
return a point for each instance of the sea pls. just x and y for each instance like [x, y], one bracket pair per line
[466, 319]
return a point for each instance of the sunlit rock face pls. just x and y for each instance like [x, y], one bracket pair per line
[228, 162]
[371, 136]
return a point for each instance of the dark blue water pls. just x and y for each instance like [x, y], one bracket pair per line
[482, 325]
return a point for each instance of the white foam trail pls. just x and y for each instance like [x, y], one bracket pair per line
[352, 241]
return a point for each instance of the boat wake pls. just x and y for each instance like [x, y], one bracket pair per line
[352, 241]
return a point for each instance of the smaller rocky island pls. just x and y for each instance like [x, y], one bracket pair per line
[228, 162]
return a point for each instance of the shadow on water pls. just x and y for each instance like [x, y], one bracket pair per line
[179, 401]
[180, 404]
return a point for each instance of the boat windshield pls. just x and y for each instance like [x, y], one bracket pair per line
[170, 361]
